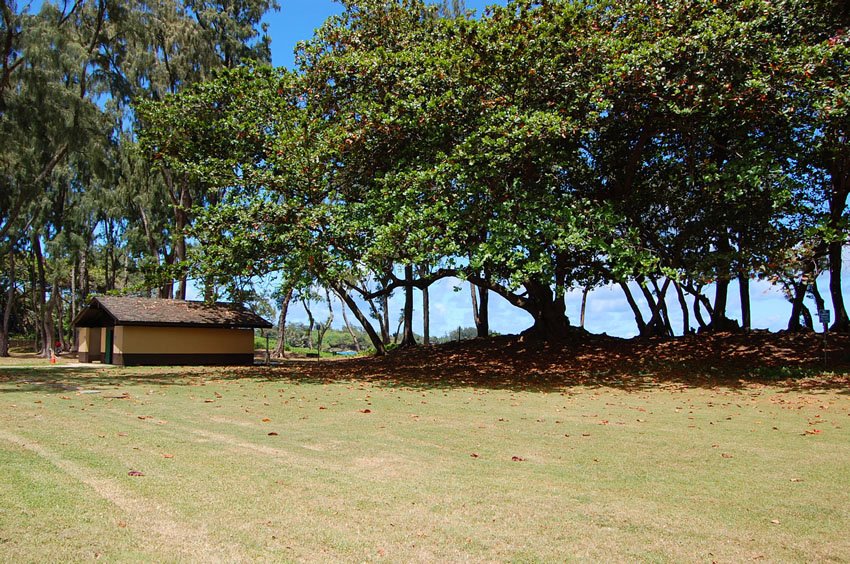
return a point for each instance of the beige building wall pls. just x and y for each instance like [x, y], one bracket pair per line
[83, 339]
[91, 344]
[182, 340]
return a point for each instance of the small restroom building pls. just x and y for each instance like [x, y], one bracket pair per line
[131, 331]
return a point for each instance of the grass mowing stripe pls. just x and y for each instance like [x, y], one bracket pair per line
[41, 506]
[149, 519]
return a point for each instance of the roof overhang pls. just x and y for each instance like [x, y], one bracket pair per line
[94, 315]
[97, 314]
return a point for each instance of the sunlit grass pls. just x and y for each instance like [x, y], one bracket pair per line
[267, 464]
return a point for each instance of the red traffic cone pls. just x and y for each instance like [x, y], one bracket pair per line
[52, 357]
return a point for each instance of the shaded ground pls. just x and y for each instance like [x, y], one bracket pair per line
[511, 361]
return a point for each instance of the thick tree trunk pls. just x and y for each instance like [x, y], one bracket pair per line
[480, 309]
[549, 313]
[662, 305]
[721, 295]
[348, 327]
[483, 328]
[312, 323]
[398, 330]
[280, 349]
[106, 285]
[808, 321]
[385, 319]
[819, 301]
[426, 317]
[323, 327]
[377, 340]
[7, 309]
[166, 290]
[641, 324]
[584, 294]
[797, 306]
[85, 279]
[44, 313]
[163, 291]
[36, 342]
[686, 318]
[109, 257]
[474, 297]
[180, 251]
[746, 312]
[656, 326]
[840, 176]
[75, 339]
[698, 315]
[841, 322]
[58, 314]
[408, 339]
[181, 202]
[700, 301]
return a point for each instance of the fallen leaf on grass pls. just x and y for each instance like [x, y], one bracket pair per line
[517, 459]
[272, 434]
[266, 419]
[365, 411]
[813, 432]
[168, 456]
[796, 480]
[122, 525]
[209, 401]
[474, 455]
[775, 521]
[726, 455]
[134, 473]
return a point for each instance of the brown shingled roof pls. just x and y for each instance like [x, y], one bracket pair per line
[106, 311]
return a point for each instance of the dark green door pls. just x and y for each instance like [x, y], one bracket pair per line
[107, 355]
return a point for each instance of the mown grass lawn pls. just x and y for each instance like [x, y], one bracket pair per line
[269, 464]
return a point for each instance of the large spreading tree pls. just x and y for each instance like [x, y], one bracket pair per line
[674, 150]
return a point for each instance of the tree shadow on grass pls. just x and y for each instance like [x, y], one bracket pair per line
[97, 377]
[623, 378]
[789, 362]
[730, 361]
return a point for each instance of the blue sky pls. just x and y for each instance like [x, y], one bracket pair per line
[607, 310]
